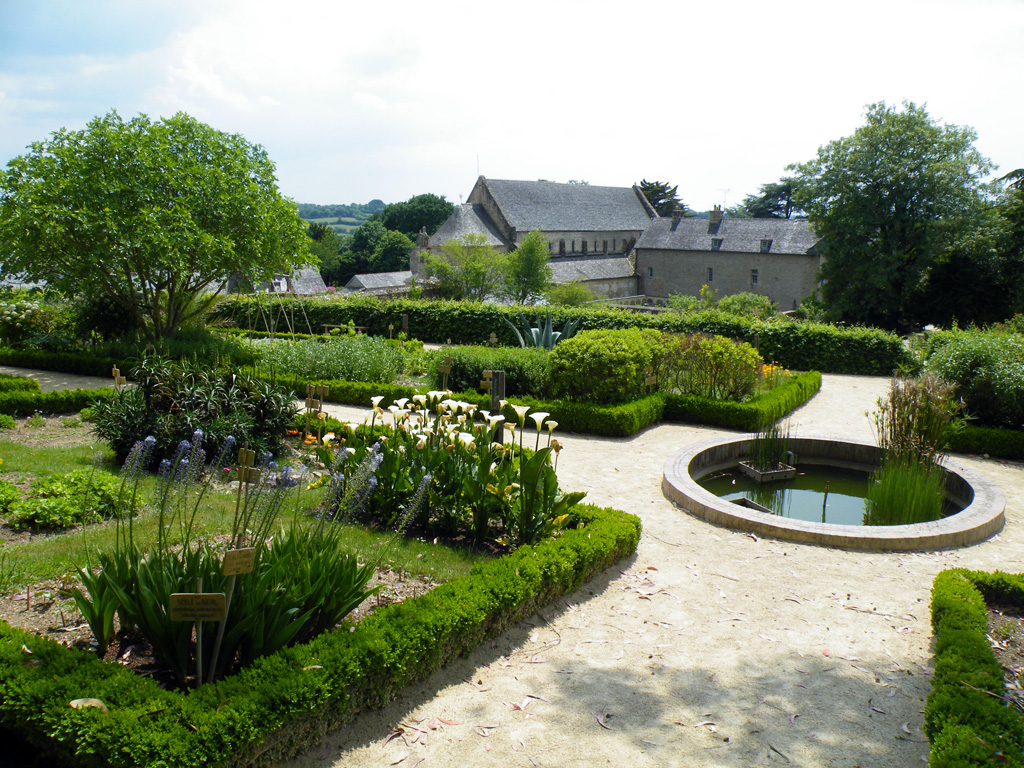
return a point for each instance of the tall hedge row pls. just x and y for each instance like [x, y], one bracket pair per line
[798, 346]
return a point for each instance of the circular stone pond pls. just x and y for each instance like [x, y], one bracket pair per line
[982, 502]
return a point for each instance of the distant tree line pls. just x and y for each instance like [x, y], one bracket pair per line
[381, 243]
[340, 211]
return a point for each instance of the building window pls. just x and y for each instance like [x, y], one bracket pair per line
[573, 247]
[551, 247]
[753, 277]
[561, 247]
[605, 244]
[766, 245]
[595, 246]
[711, 275]
[613, 245]
[716, 243]
[584, 244]
[650, 271]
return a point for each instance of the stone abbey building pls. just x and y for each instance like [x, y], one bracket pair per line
[612, 240]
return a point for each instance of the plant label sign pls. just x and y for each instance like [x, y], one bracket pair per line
[238, 561]
[199, 606]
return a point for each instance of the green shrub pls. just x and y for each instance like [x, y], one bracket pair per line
[9, 383]
[750, 305]
[708, 366]
[997, 443]
[603, 367]
[525, 369]
[352, 358]
[797, 346]
[63, 501]
[988, 371]
[171, 400]
[965, 719]
[25, 403]
[748, 416]
[6, 421]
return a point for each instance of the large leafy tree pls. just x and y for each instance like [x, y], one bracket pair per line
[427, 211]
[153, 216]
[663, 198]
[773, 201]
[466, 269]
[887, 201]
[527, 271]
[391, 253]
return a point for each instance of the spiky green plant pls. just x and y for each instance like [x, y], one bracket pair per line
[543, 335]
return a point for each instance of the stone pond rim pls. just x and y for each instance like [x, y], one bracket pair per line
[981, 518]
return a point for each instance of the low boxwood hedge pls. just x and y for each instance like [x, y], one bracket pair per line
[965, 719]
[281, 703]
[997, 443]
[610, 420]
[25, 403]
[9, 383]
[65, 362]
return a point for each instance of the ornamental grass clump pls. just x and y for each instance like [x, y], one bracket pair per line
[913, 426]
[769, 448]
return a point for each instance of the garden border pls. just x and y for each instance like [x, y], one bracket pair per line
[965, 719]
[283, 702]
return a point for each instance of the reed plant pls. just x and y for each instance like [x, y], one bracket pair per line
[769, 447]
[904, 490]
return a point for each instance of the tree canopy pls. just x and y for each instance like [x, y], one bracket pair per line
[663, 198]
[466, 269]
[774, 201]
[427, 211]
[886, 202]
[527, 271]
[154, 216]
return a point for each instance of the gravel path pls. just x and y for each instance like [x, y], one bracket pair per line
[709, 647]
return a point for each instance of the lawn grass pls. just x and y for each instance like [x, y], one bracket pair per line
[57, 555]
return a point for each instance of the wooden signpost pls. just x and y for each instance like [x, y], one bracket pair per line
[119, 380]
[444, 370]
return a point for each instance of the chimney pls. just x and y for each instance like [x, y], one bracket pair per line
[715, 215]
[677, 214]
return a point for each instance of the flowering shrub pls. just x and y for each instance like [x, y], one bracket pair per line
[24, 321]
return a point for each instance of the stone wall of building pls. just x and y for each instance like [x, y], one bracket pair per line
[784, 278]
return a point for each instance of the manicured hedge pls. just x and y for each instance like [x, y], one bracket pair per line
[797, 346]
[748, 416]
[23, 403]
[997, 443]
[281, 703]
[343, 392]
[65, 362]
[629, 418]
[965, 719]
[9, 383]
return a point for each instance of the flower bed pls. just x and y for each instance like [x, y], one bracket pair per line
[282, 702]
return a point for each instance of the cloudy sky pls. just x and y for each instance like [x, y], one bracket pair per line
[391, 99]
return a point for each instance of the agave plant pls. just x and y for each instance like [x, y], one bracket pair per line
[543, 334]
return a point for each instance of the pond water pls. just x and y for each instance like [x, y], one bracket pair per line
[802, 497]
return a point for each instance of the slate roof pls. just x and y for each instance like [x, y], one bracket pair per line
[380, 280]
[553, 207]
[583, 268]
[467, 219]
[307, 281]
[792, 236]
